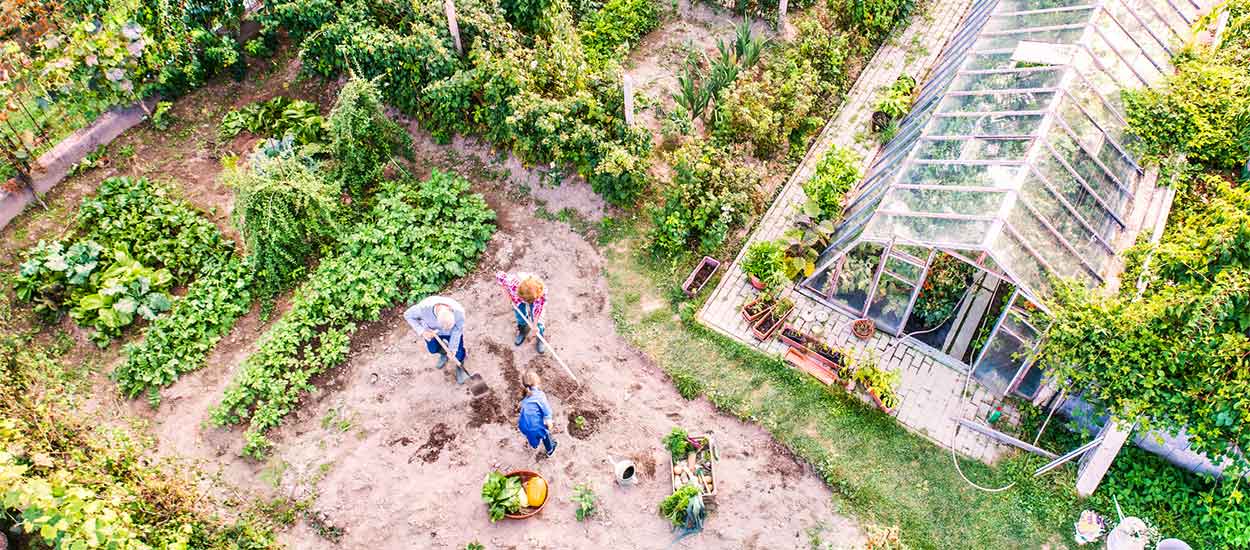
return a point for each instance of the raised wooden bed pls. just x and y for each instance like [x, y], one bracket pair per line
[700, 276]
[705, 461]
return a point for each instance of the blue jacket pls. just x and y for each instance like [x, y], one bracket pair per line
[534, 410]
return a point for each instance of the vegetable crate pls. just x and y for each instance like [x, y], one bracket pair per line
[701, 474]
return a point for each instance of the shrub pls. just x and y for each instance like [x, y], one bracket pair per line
[362, 139]
[872, 20]
[711, 193]
[284, 208]
[278, 117]
[417, 237]
[607, 33]
[836, 174]
[765, 260]
[526, 15]
[1200, 111]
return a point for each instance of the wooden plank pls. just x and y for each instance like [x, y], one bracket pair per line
[1000, 436]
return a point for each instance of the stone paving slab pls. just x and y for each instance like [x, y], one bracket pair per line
[931, 392]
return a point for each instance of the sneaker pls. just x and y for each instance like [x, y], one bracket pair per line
[553, 448]
[461, 375]
[542, 348]
[521, 332]
[442, 361]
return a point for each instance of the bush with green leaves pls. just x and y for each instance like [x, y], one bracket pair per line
[363, 140]
[712, 193]
[278, 117]
[870, 21]
[609, 32]
[51, 271]
[285, 208]
[535, 94]
[72, 479]
[836, 174]
[417, 237]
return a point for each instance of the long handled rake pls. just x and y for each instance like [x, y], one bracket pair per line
[539, 334]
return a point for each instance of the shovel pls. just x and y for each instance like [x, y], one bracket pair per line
[477, 386]
[539, 334]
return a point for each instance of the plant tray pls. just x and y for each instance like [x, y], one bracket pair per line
[798, 341]
[751, 319]
[700, 276]
[768, 333]
[804, 363]
[708, 461]
[528, 511]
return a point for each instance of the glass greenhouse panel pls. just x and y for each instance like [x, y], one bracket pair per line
[1007, 6]
[991, 102]
[1108, 186]
[850, 282]
[986, 125]
[1061, 259]
[1067, 35]
[1089, 207]
[973, 149]
[1132, 50]
[1038, 197]
[999, 176]
[989, 60]
[1036, 19]
[890, 301]
[1114, 62]
[1009, 347]
[1013, 79]
[942, 201]
[1097, 109]
[939, 231]
[1153, 39]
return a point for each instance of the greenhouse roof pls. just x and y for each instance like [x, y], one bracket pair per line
[1016, 145]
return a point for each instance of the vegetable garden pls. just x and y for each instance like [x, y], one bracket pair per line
[229, 310]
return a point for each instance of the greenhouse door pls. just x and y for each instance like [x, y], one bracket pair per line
[1004, 362]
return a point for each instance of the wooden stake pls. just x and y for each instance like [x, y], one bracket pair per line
[449, 6]
[781, 18]
[628, 84]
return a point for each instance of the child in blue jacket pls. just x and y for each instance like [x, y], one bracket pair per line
[535, 419]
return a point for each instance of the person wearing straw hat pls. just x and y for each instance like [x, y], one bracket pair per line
[440, 321]
[529, 296]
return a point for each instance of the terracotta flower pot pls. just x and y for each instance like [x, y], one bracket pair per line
[752, 317]
[863, 328]
[756, 283]
[873, 394]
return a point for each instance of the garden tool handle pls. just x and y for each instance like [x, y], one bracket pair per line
[539, 334]
[438, 338]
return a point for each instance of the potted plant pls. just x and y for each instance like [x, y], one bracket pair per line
[793, 337]
[863, 328]
[881, 385]
[753, 310]
[765, 264]
[772, 320]
[700, 276]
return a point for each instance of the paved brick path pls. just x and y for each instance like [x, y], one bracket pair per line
[930, 393]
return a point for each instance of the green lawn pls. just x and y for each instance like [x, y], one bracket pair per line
[880, 473]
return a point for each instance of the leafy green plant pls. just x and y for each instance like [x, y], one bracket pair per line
[872, 20]
[417, 237]
[674, 507]
[284, 209]
[51, 271]
[179, 342]
[747, 47]
[947, 281]
[474, 546]
[502, 495]
[278, 117]
[126, 290]
[585, 501]
[678, 444]
[161, 119]
[766, 261]
[893, 104]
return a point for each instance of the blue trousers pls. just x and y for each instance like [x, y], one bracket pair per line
[528, 310]
[545, 438]
[437, 349]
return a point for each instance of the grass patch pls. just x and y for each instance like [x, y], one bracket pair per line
[879, 472]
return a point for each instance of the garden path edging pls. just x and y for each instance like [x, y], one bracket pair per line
[53, 165]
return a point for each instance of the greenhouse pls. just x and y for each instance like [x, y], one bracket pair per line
[1012, 169]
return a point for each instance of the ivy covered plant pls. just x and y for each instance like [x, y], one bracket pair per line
[284, 207]
[363, 140]
[712, 193]
[417, 237]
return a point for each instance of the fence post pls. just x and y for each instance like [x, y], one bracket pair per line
[449, 6]
[628, 84]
